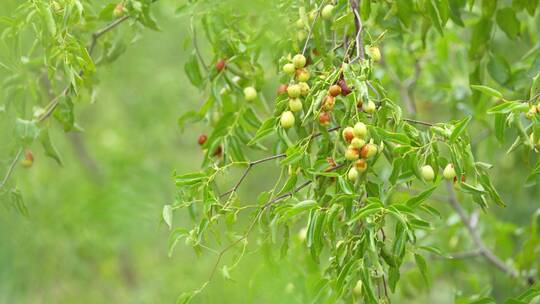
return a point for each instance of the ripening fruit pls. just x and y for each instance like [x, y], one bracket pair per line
[289, 68]
[532, 111]
[220, 65]
[358, 143]
[449, 172]
[352, 175]
[282, 89]
[302, 75]
[28, 160]
[427, 173]
[351, 154]
[324, 118]
[327, 11]
[295, 104]
[119, 10]
[334, 90]
[294, 91]
[361, 165]
[357, 290]
[299, 61]
[368, 150]
[360, 130]
[370, 107]
[344, 88]
[348, 134]
[287, 119]
[218, 152]
[304, 88]
[374, 53]
[250, 93]
[328, 103]
[202, 139]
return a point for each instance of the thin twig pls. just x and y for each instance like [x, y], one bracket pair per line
[196, 45]
[486, 252]
[355, 6]
[11, 168]
[312, 26]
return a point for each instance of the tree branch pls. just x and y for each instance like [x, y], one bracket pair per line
[355, 7]
[11, 168]
[312, 26]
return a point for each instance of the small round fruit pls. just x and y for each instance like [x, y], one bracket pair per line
[370, 107]
[220, 65]
[344, 88]
[327, 11]
[368, 150]
[357, 290]
[294, 91]
[328, 103]
[324, 118]
[302, 75]
[352, 175]
[250, 94]
[202, 139]
[334, 90]
[360, 130]
[302, 234]
[358, 143]
[295, 104]
[282, 89]
[287, 119]
[361, 165]
[301, 35]
[289, 68]
[57, 8]
[28, 160]
[119, 10]
[304, 88]
[351, 154]
[348, 134]
[299, 61]
[427, 173]
[532, 111]
[218, 151]
[374, 53]
[300, 24]
[449, 172]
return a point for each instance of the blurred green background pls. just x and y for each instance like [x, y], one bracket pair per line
[94, 232]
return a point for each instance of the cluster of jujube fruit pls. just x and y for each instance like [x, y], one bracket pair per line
[295, 90]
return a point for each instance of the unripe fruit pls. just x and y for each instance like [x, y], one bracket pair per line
[304, 88]
[449, 172]
[374, 53]
[357, 290]
[220, 65]
[202, 139]
[532, 111]
[119, 10]
[358, 143]
[370, 107]
[301, 35]
[295, 104]
[328, 103]
[360, 130]
[289, 68]
[348, 134]
[287, 119]
[299, 61]
[302, 234]
[352, 175]
[302, 75]
[427, 173]
[368, 150]
[324, 118]
[250, 93]
[361, 165]
[282, 89]
[300, 24]
[294, 91]
[28, 160]
[351, 154]
[327, 11]
[289, 288]
[334, 90]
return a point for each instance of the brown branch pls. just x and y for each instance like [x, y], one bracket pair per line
[11, 168]
[355, 7]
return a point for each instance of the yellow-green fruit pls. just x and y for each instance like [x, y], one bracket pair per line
[299, 61]
[302, 234]
[427, 173]
[357, 290]
[119, 10]
[295, 104]
[289, 68]
[27, 163]
[250, 93]
[374, 53]
[300, 24]
[294, 91]
[449, 172]
[351, 154]
[360, 130]
[301, 35]
[304, 88]
[327, 11]
[352, 175]
[357, 143]
[289, 288]
[287, 119]
[303, 75]
[370, 107]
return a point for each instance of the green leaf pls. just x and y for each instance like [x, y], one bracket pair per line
[459, 128]
[192, 71]
[168, 215]
[26, 131]
[190, 179]
[508, 107]
[508, 22]
[422, 266]
[50, 149]
[487, 91]
[434, 15]
[417, 200]
[499, 69]
[267, 128]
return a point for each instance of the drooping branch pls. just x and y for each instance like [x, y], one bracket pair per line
[355, 7]
[11, 168]
[310, 32]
